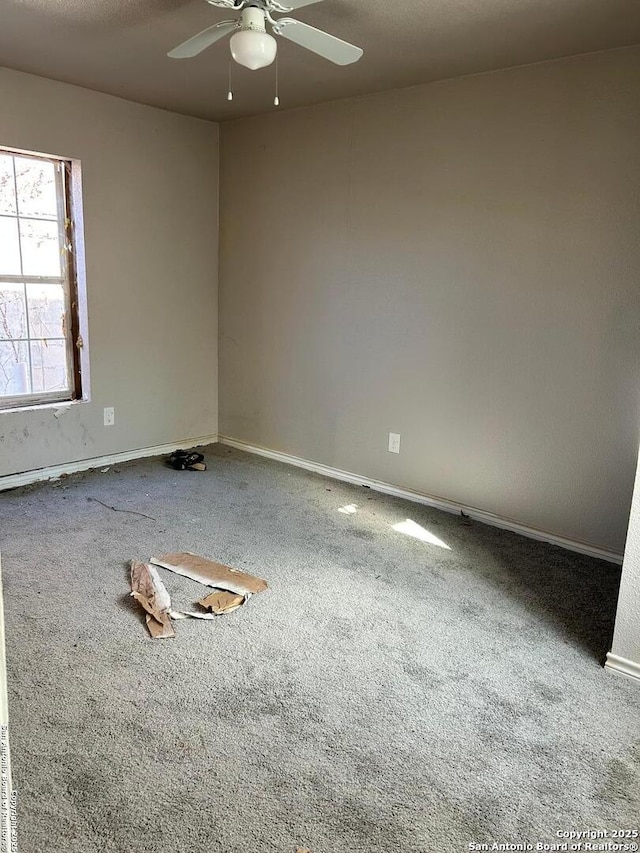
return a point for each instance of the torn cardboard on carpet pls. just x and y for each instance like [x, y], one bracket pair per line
[232, 588]
[149, 591]
[222, 602]
[210, 573]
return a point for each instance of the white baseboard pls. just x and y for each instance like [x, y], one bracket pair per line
[12, 481]
[622, 666]
[428, 500]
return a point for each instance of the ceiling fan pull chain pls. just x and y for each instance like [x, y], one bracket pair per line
[276, 100]
[230, 92]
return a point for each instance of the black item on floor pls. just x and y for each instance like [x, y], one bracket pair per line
[183, 459]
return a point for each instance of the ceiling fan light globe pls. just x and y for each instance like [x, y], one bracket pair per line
[253, 49]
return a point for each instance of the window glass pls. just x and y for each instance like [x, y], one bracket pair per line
[37, 355]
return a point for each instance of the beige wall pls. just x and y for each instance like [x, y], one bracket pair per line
[457, 262]
[150, 182]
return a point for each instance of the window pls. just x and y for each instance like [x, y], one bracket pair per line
[39, 322]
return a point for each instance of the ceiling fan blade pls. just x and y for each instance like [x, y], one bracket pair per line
[196, 44]
[290, 5]
[332, 48]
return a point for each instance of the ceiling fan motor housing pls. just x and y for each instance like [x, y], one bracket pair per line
[253, 19]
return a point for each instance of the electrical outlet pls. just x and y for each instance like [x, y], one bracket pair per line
[394, 442]
[109, 416]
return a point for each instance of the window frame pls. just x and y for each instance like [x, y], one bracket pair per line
[69, 232]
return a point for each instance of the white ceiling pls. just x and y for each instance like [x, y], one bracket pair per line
[120, 46]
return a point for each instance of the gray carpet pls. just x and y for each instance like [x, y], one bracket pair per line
[385, 694]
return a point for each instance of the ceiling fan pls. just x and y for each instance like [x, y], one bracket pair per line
[251, 44]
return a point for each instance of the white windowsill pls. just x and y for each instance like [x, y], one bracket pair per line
[38, 407]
